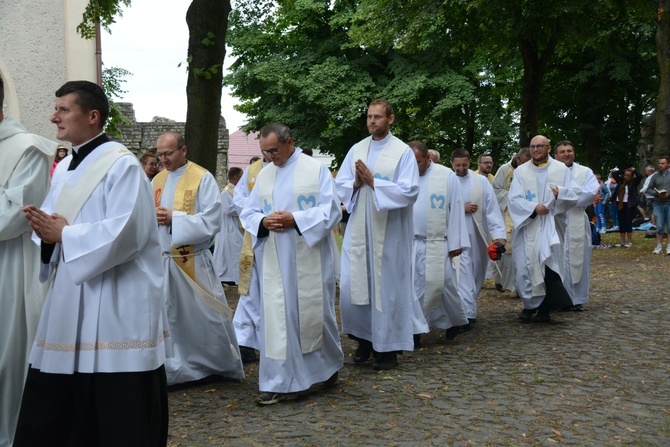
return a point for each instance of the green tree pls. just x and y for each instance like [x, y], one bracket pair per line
[207, 22]
[112, 78]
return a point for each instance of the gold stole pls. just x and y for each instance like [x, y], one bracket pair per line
[247, 252]
[184, 200]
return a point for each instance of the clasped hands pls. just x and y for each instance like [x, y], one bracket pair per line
[47, 227]
[279, 221]
[540, 209]
[363, 175]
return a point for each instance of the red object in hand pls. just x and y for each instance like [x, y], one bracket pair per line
[495, 251]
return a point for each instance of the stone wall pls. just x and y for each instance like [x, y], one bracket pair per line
[141, 137]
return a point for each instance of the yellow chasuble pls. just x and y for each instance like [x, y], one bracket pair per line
[247, 252]
[185, 195]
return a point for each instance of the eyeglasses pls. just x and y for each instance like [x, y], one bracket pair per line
[166, 154]
[274, 150]
[486, 163]
[537, 146]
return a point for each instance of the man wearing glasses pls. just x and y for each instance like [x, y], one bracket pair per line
[189, 214]
[541, 193]
[291, 212]
[485, 166]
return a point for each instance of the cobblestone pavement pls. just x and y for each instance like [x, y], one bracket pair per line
[593, 378]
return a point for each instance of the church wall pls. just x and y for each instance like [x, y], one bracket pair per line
[141, 137]
[34, 57]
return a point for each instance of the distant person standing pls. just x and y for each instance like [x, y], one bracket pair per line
[625, 198]
[659, 187]
[24, 179]
[61, 153]
[229, 240]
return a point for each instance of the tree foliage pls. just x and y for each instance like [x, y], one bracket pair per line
[112, 80]
[482, 75]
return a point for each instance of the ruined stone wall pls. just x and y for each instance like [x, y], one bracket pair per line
[141, 137]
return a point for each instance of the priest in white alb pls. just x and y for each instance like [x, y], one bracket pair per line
[542, 192]
[97, 375]
[378, 183]
[24, 179]
[248, 311]
[439, 236]
[229, 240]
[189, 214]
[484, 223]
[291, 214]
[503, 269]
[578, 247]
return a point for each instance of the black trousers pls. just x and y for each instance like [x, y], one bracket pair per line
[556, 296]
[99, 409]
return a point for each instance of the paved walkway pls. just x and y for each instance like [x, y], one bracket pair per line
[595, 378]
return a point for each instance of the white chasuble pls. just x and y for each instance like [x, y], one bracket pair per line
[308, 264]
[579, 231]
[436, 219]
[541, 234]
[383, 169]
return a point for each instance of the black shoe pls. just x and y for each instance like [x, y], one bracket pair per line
[577, 308]
[332, 380]
[542, 317]
[385, 361]
[452, 332]
[248, 354]
[417, 341]
[464, 328]
[472, 320]
[526, 315]
[363, 351]
[499, 287]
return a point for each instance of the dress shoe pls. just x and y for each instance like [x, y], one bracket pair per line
[542, 317]
[385, 361]
[526, 315]
[248, 354]
[452, 332]
[363, 351]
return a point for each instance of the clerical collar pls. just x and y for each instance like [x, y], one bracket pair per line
[541, 165]
[381, 142]
[179, 171]
[83, 150]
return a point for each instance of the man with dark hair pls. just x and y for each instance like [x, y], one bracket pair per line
[485, 166]
[188, 210]
[291, 212]
[658, 188]
[378, 183]
[229, 239]
[578, 248]
[439, 236]
[542, 192]
[483, 221]
[97, 374]
[503, 269]
[24, 179]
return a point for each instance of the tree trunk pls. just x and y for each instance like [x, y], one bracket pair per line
[662, 136]
[207, 22]
[534, 68]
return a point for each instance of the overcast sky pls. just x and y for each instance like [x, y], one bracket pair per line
[150, 41]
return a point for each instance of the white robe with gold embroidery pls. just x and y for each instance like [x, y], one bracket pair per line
[105, 310]
[298, 370]
[204, 341]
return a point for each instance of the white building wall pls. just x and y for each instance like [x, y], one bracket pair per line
[39, 52]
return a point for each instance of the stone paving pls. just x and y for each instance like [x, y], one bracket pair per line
[593, 378]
